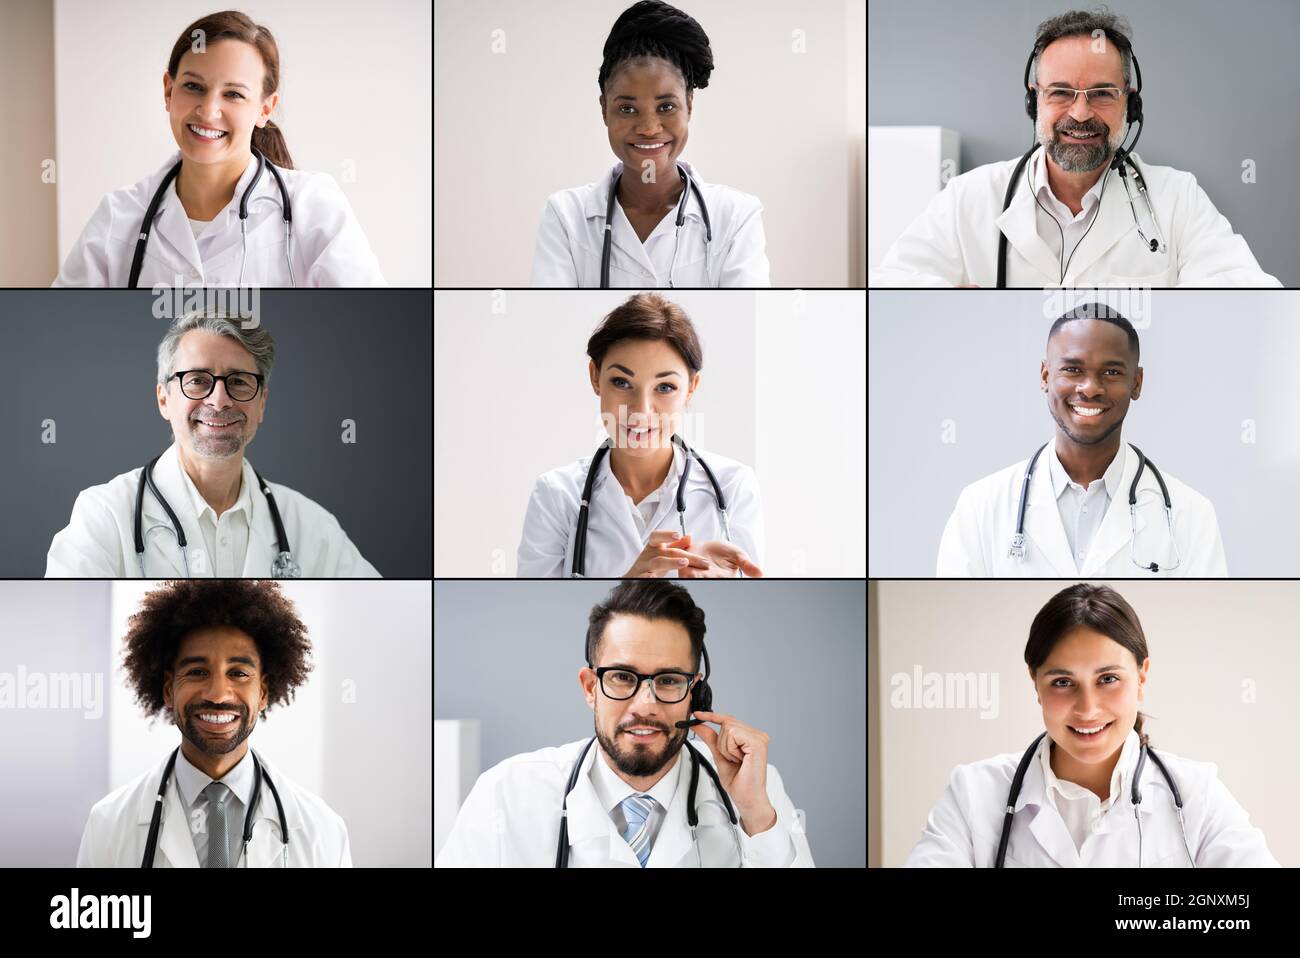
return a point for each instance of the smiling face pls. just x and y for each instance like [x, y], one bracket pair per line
[218, 92]
[646, 646]
[217, 427]
[1089, 688]
[1090, 376]
[644, 387]
[1080, 137]
[215, 688]
[645, 102]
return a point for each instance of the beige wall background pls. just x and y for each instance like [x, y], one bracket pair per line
[1213, 645]
[511, 128]
[28, 253]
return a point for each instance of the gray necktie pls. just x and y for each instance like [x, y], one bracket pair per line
[219, 806]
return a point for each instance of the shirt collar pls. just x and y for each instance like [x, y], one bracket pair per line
[191, 781]
[1071, 790]
[1110, 478]
[612, 790]
[1043, 189]
[598, 197]
[675, 470]
[171, 196]
[244, 503]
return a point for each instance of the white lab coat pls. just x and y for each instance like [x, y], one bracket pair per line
[572, 237]
[955, 241]
[979, 531]
[964, 828]
[99, 540]
[613, 543]
[511, 819]
[118, 828]
[328, 246]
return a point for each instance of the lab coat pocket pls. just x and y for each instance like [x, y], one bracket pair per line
[1160, 279]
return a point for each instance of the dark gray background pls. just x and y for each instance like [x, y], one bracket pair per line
[788, 657]
[87, 360]
[1219, 87]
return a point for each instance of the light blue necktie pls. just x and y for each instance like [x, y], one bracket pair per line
[636, 812]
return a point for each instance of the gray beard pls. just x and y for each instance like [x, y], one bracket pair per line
[1079, 157]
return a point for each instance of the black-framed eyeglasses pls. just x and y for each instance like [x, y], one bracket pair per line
[199, 383]
[668, 686]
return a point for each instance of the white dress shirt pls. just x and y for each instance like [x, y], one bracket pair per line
[1058, 223]
[1079, 808]
[612, 790]
[226, 535]
[1082, 510]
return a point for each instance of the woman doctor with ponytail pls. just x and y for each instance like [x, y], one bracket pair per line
[1093, 790]
[219, 211]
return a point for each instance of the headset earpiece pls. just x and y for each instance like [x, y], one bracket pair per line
[1031, 96]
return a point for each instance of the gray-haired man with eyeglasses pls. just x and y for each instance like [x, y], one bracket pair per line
[201, 509]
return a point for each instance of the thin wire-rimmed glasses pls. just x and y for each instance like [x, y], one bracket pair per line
[1063, 97]
[199, 383]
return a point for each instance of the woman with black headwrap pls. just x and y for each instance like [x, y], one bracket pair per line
[651, 222]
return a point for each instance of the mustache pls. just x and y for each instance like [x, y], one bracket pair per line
[1088, 128]
[193, 710]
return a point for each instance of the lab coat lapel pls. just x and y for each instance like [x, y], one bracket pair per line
[1043, 529]
[167, 477]
[1020, 225]
[1114, 534]
[265, 847]
[674, 838]
[174, 840]
[262, 546]
[172, 226]
[588, 820]
[1047, 827]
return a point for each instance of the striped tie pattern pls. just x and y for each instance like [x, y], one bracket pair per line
[636, 812]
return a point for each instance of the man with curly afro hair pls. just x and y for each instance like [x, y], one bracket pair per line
[213, 657]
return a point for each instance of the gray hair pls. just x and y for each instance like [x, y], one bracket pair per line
[1083, 23]
[215, 320]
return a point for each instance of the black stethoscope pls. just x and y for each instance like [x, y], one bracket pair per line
[1017, 549]
[690, 184]
[286, 208]
[701, 700]
[151, 843]
[1123, 159]
[1135, 796]
[282, 567]
[580, 537]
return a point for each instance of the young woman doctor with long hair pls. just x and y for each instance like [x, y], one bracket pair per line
[222, 218]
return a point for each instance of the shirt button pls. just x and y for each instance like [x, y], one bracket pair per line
[1085, 508]
[225, 542]
[1081, 555]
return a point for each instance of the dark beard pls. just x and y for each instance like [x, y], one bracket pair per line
[639, 762]
[208, 746]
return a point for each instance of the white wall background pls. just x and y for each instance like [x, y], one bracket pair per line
[513, 128]
[782, 389]
[1206, 640]
[354, 95]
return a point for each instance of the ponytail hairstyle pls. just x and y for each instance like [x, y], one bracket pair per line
[233, 25]
[1097, 607]
[651, 28]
